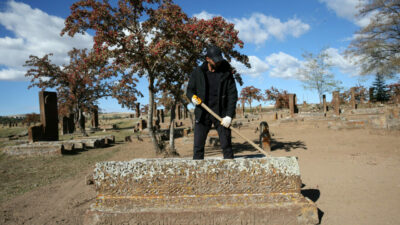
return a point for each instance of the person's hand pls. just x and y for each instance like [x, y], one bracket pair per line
[196, 100]
[226, 121]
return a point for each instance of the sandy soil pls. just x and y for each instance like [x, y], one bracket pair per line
[352, 175]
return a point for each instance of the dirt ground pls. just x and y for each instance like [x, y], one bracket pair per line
[352, 175]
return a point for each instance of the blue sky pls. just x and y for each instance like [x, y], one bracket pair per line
[275, 33]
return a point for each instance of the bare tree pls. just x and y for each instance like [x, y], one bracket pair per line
[316, 74]
[378, 44]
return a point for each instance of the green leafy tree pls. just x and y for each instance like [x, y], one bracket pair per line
[380, 90]
[316, 75]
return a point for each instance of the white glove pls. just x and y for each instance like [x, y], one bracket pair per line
[196, 100]
[226, 121]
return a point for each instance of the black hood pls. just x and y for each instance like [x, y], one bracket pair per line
[224, 68]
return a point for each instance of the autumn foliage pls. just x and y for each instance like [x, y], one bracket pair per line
[251, 93]
[79, 84]
[154, 39]
[281, 97]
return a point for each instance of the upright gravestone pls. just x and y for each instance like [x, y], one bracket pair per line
[353, 98]
[137, 110]
[292, 104]
[68, 124]
[162, 115]
[142, 125]
[95, 117]
[336, 102]
[324, 104]
[64, 125]
[49, 115]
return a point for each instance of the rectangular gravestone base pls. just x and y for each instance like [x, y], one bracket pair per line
[299, 212]
[35, 149]
[210, 191]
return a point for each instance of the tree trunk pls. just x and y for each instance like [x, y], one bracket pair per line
[171, 150]
[150, 116]
[81, 122]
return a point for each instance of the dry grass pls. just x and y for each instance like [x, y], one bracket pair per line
[19, 175]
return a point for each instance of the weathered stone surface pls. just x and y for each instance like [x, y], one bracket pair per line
[288, 213]
[211, 191]
[35, 149]
[175, 177]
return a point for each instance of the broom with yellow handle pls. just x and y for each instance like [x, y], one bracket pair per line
[232, 128]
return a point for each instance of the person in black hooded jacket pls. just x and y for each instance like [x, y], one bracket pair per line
[214, 84]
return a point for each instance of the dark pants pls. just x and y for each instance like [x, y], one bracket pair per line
[201, 130]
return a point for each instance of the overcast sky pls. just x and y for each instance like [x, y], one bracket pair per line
[275, 33]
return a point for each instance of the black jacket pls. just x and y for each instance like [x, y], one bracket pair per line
[227, 96]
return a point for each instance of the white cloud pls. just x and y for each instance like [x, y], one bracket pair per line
[35, 33]
[284, 66]
[258, 67]
[259, 28]
[348, 9]
[344, 64]
[203, 15]
[12, 74]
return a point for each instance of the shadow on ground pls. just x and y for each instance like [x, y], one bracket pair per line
[287, 145]
[246, 147]
[313, 195]
[80, 151]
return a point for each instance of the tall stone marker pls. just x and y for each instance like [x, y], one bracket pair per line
[162, 115]
[95, 118]
[137, 110]
[292, 104]
[353, 98]
[336, 102]
[49, 115]
[68, 124]
[324, 104]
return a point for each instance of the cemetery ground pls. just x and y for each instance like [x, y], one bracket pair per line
[350, 171]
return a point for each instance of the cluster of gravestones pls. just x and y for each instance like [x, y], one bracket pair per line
[293, 109]
[181, 112]
[11, 124]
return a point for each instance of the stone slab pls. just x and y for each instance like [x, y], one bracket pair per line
[35, 149]
[210, 191]
[300, 213]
